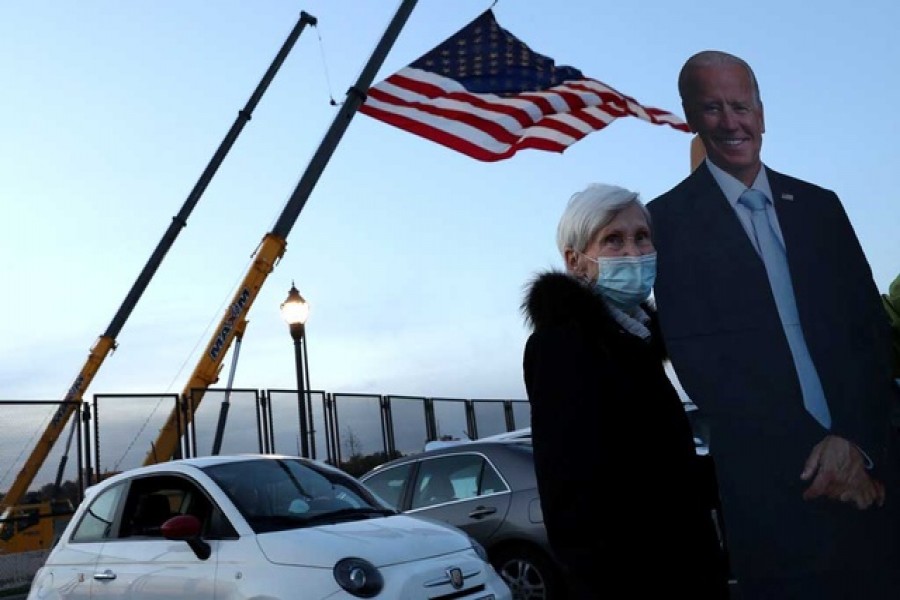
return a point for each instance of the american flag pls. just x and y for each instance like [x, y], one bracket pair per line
[485, 93]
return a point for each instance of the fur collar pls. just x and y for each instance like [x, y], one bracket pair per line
[555, 298]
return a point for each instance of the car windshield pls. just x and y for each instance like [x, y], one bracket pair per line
[282, 493]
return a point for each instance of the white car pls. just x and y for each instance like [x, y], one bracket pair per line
[256, 526]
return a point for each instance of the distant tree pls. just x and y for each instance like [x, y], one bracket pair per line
[359, 465]
[351, 443]
[354, 462]
[68, 490]
[46, 492]
[71, 491]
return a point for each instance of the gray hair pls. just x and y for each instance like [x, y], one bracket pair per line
[589, 211]
[712, 58]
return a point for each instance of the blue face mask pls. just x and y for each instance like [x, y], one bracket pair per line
[626, 281]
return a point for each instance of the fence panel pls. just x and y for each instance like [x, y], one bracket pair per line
[242, 432]
[521, 414]
[22, 424]
[285, 410]
[359, 426]
[489, 417]
[126, 427]
[408, 420]
[451, 418]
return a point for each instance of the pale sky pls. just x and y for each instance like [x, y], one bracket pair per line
[413, 257]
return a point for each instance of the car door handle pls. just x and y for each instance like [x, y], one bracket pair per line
[106, 575]
[482, 511]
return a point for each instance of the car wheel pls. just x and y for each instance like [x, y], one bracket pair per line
[529, 574]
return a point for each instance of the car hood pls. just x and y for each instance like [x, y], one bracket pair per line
[383, 541]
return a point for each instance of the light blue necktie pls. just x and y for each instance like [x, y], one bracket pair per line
[772, 252]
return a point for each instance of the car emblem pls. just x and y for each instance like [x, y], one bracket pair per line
[456, 577]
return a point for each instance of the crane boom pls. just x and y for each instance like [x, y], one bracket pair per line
[207, 370]
[106, 343]
[273, 245]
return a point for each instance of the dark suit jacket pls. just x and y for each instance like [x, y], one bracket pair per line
[728, 348]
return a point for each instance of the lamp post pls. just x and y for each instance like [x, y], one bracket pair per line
[295, 311]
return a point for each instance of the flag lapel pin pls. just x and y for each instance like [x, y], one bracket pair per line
[788, 197]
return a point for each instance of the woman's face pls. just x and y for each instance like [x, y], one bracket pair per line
[628, 234]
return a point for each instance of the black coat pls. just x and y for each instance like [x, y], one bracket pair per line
[618, 475]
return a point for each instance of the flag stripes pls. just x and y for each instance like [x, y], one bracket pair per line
[490, 127]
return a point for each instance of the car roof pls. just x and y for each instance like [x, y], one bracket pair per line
[517, 434]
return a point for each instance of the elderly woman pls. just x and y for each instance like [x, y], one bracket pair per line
[617, 472]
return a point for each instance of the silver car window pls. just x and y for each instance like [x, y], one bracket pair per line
[389, 484]
[454, 477]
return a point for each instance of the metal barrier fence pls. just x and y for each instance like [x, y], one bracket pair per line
[22, 425]
[116, 432]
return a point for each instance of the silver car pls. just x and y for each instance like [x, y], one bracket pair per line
[487, 489]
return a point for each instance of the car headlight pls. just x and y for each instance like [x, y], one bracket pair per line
[359, 577]
[479, 549]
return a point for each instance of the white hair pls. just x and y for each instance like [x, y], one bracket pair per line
[589, 211]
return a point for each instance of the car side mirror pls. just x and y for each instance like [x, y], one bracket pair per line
[187, 528]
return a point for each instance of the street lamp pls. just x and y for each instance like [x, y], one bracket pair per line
[295, 311]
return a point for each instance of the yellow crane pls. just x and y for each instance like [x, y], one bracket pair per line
[106, 343]
[271, 248]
